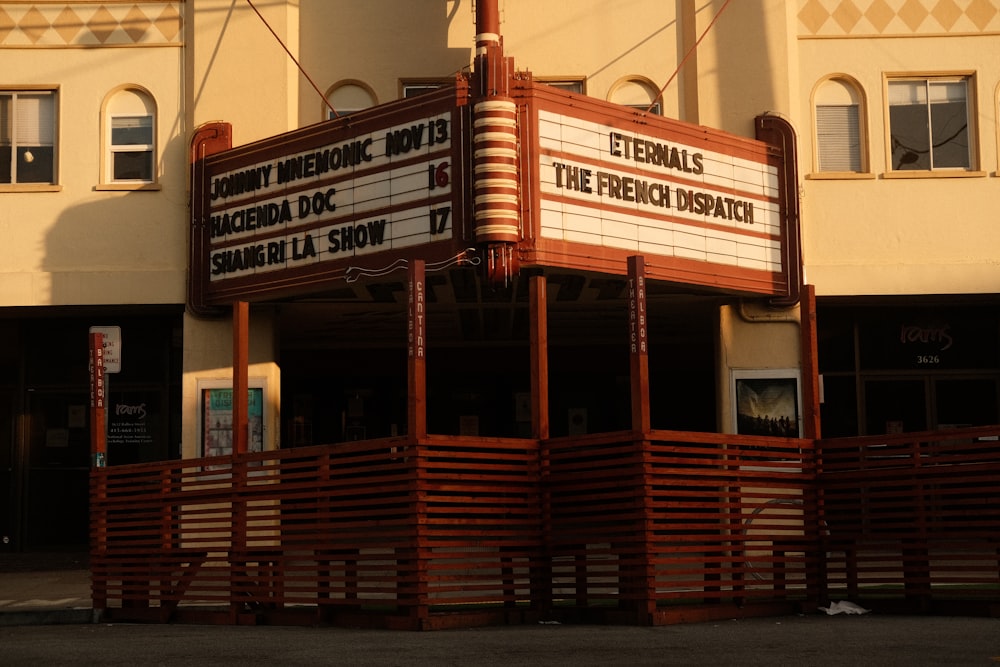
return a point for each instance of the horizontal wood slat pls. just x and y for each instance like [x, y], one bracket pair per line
[647, 528]
[912, 518]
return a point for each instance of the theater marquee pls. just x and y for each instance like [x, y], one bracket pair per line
[702, 206]
[537, 179]
[313, 205]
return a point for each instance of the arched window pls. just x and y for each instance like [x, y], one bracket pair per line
[348, 97]
[840, 131]
[638, 94]
[129, 136]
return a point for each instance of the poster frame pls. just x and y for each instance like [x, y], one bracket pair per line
[786, 383]
[256, 439]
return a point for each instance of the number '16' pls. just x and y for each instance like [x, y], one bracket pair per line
[437, 175]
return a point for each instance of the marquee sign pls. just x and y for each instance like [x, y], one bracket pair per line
[318, 203]
[556, 180]
[703, 206]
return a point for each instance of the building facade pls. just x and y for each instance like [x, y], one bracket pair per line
[895, 110]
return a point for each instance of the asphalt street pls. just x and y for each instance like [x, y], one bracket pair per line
[813, 640]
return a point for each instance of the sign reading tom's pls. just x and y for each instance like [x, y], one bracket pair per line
[331, 201]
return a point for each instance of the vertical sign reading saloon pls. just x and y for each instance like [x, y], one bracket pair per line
[328, 200]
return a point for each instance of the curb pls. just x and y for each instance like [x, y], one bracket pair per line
[49, 617]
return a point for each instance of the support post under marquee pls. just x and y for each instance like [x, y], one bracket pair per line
[416, 412]
[638, 343]
[539, 357]
[241, 388]
[811, 427]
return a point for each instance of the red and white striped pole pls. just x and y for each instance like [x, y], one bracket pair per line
[495, 151]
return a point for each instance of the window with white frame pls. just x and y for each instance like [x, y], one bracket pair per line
[638, 94]
[348, 98]
[569, 85]
[839, 127]
[130, 138]
[416, 87]
[929, 123]
[27, 136]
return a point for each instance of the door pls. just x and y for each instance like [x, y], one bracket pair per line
[9, 482]
[57, 494]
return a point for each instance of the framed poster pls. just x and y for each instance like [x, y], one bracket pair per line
[215, 416]
[767, 402]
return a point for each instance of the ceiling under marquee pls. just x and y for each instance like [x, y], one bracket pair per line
[463, 312]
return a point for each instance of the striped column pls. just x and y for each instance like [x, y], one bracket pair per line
[495, 182]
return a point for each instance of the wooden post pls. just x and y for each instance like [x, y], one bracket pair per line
[414, 574]
[238, 538]
[98, 476]
[416, 412]
[241, 381]
[638, 343]
[538, 300]
[811, 427]
[541, 585]
[639, 578]
[811, 430]
[98, 405]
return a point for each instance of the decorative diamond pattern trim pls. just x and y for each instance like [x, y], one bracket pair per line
[870, 18]
[53, 25]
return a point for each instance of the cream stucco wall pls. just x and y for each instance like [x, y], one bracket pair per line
[79, 244]
[237, 71]
[208, 357]
[924, 235]
[753, 337]
[382, 42]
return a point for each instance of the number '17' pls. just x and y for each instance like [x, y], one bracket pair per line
[439, 219]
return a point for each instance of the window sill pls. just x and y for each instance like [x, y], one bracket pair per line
[30, 187]
[934, 174]
[840, 176]
[127, 187]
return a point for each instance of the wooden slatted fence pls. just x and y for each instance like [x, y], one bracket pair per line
[911, 522]
[653, 528]
[381, 532]
[681, 525]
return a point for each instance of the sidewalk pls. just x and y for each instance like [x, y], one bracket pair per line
[46, 618]
[44, 588]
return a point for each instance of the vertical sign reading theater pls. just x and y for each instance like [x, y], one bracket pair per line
[330, 201]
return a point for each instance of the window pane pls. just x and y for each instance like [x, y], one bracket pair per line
[133, 166]
[5, 153]
[27, 135]
[838, 137]
[132, 131]
[5, 120]
[929, 124]
[570, 86]
[34, 164]
[413, 90]
[908, 124]
[950, 125]
[33, 121]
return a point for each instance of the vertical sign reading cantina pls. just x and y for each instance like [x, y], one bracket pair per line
[312, 197]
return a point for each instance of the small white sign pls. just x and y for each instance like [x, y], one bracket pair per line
[112, 347]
